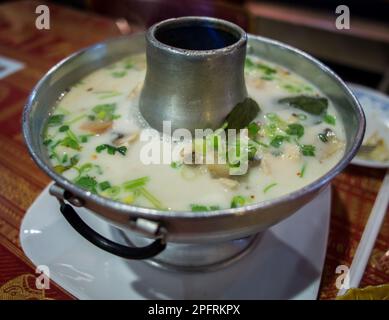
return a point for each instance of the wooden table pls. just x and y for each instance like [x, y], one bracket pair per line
[21, 181]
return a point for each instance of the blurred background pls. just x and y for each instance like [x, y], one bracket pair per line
[360, 54]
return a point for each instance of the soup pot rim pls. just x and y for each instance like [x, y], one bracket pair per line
[120, 207]
[183, 21]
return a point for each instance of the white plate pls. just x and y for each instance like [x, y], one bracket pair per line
[286, 264]
[376, 107]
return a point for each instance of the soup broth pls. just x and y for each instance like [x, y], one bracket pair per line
[93, 139]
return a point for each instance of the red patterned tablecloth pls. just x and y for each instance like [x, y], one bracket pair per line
[353, 191]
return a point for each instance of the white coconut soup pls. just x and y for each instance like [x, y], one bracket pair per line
[92, 138]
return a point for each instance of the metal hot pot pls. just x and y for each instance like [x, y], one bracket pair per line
[177, 239]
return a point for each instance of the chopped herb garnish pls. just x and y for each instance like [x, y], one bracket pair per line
[64, 158]
[291, 88]
[103, 112]
[119, 74]
[277, 124]
[122, 150]
[104, 185]
[87, 182]
[176, 165]
[71, 135]
[112, 192]
[272, 117]
[277, 141]
[307, 150]
[85, 167]
[295, 129]
[249, 64]
[263, 68]
[111, 149]
[74, 160]
[330, 119]
[267, 77]
[268, 187]
[253, 129]
[199, 207]
[101, 148]
[128, 65]
[70, 143]
[47, 142]
[84, 138]
[55, 120]
[63, 128]
[136, 183]
[238, 201]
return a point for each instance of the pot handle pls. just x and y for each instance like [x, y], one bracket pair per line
[105, 244]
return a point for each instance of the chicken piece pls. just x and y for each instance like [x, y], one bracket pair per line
[292, 152]
[266, 164]
[256, 82]
[229, 183]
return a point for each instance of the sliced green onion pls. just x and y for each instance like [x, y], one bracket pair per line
[136, 183]
[76, 119]
[176, 164]
[151, 198]
[238, 201]
[302, 171]
[268, 187]
[55, 120]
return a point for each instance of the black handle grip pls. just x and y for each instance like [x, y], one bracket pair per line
[98, 240]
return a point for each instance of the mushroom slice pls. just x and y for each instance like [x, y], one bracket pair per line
[219, 170]
[331, 148]
[121, 140]
[331, 144]
[96, 127]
